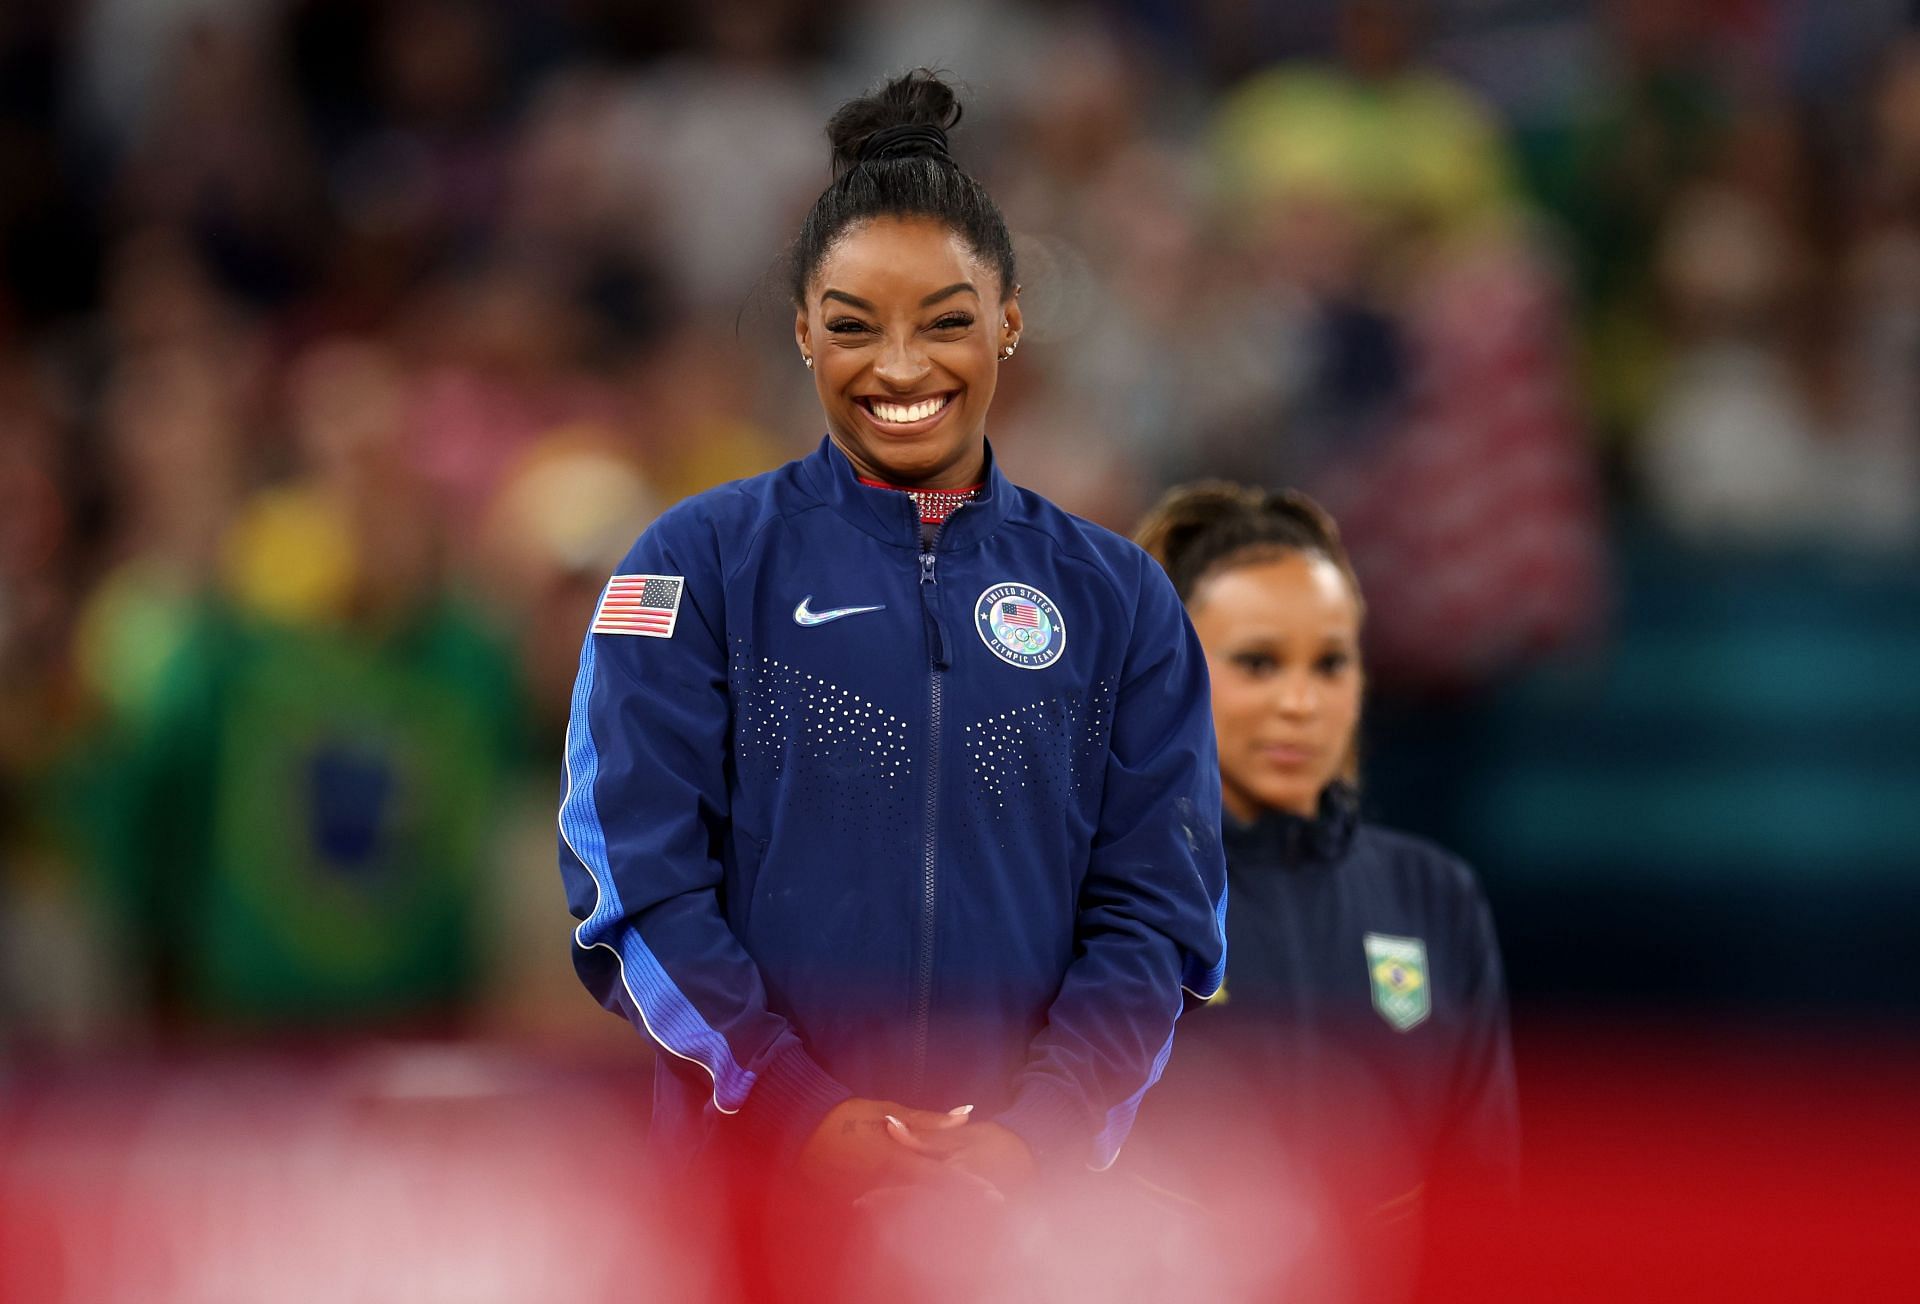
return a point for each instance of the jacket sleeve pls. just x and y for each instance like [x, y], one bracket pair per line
[641, 827]
[1480, 1143]
[1152, 910]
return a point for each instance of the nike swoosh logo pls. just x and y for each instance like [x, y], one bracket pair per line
[802, 616]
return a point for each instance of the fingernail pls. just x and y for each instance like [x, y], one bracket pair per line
[894, 1122]
[961, 1112]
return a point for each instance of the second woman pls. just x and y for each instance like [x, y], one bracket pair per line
[1363, 1022]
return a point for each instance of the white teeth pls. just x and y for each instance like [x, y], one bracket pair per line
[901, 414]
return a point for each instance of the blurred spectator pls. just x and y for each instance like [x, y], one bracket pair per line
[36, 556]
[1653, 125]
[222, 158]
[1882, 294]
[693, 405]
[43, 989]
[590, 220]
[562, 520]
[1477, 520]
[175, 453]
[1106, 224]
[499, 354]
[727, 146]
[1790, 412]
[292, 831]
[1434, 408]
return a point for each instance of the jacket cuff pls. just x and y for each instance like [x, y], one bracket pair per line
[790, 1096]
[1052, 1119]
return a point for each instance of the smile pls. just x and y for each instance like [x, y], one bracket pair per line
[906, 416]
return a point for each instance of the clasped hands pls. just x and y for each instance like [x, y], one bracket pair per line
[864, 1146]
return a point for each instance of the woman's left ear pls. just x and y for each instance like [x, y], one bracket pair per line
[1010, 321]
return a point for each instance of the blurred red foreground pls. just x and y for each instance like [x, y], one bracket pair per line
[1674, 1167]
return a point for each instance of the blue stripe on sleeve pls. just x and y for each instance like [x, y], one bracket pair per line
[1106, 1146]
[669, 1017]
[1209, 982]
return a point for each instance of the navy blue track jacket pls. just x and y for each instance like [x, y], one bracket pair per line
[1365, 1011]
[844, 816]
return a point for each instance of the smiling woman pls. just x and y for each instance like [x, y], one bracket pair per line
[904, 324]
[903, 904]
[904, 294]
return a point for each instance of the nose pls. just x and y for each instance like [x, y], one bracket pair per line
[902, 364]
[1296, 695]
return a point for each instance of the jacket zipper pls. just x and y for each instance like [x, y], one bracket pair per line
[929, 859]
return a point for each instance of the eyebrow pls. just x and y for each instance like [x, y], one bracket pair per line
[955, 288]
[927, 302]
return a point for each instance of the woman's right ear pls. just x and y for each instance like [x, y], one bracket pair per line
[801, 336]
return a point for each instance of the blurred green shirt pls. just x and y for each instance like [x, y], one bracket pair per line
[295, 828]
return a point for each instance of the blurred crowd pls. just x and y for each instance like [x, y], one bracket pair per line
[346, 344]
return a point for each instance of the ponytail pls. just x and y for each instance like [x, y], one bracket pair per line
[1199, 529]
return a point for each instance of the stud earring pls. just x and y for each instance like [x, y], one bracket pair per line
[808, 359]
[1008, 352]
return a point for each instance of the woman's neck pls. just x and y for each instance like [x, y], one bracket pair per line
[1245, 810]
[967, 470]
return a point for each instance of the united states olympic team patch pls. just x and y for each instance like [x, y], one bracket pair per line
[1020, 625]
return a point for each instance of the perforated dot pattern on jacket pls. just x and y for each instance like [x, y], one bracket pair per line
[822, 745]
[1030, 762]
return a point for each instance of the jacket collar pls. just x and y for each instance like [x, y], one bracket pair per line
[891, 516]
[1280, 837]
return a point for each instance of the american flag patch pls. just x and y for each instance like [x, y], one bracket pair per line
[640, 604]
[1019, 613]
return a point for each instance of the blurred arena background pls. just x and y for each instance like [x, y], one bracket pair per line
[346, 344]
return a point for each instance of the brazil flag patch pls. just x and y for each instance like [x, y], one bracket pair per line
[1397, 970]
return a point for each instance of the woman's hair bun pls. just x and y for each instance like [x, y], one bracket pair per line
[1189, 514]
[907, 117]
[1313, 518]
[1213, 525]
[890, 159]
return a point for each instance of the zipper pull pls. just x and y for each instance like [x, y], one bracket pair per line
[929, 604]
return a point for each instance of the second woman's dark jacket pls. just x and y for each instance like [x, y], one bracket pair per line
[1362, 1026]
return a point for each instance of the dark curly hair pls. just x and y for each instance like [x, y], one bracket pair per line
[890, 159]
